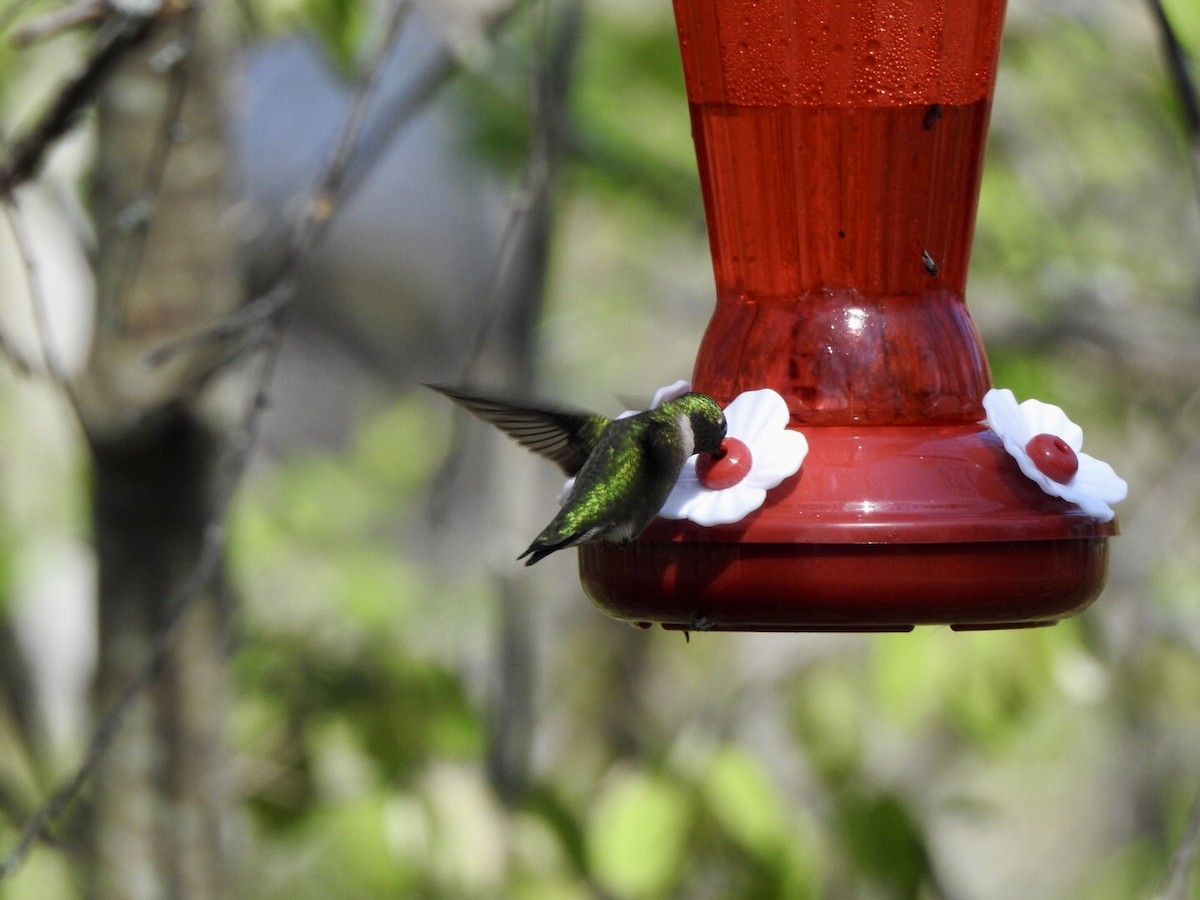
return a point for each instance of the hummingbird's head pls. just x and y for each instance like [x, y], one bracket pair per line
[708, 422]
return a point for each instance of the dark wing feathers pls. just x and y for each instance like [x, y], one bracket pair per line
[563, 436]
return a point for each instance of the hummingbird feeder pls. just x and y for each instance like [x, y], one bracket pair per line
[840, 147]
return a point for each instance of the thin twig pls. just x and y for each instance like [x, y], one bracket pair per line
[59, 20]
[510, 238]
[119, 34]
[398, 110]
[1189, 98]
[327, 198]
[527, 225]
[16, 358]
[10, 13]
[325, 204]
[250, 316]
[328, 195]
[1182, 867]
[528, 221]
[37, 303]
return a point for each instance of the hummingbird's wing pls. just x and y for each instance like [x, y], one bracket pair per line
[621, 488]
[563, 436]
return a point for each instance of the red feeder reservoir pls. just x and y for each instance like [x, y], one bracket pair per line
[840, 147]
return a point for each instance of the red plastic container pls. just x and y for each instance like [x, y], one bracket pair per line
[840, 146]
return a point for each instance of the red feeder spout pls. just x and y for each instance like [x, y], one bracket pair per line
[840, 147]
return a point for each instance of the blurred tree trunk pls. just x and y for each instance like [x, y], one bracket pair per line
[165, 266]
[511, 719]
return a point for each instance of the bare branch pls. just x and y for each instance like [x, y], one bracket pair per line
[25, 156]
[37, 302]
[328, 194]
[10, 13]
[512, 301]
[1182, 868]
[399, 109]
[358, 149]
[326, 198]
[1177, 66]
[251, 316]
[59, 20]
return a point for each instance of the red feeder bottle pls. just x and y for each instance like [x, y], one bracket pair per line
[840, 146]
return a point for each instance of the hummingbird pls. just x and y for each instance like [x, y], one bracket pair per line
[623, 468]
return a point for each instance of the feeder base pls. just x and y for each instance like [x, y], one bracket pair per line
[715, 586]
[883, 528]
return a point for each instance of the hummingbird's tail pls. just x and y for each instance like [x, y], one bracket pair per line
[556, 536]
[541, 548]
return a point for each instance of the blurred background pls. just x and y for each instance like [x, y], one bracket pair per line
[410, 713]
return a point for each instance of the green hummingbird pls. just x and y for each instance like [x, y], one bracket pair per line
[623, 468]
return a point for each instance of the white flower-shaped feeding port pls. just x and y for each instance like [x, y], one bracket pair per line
[1047, 447]
[759, 453]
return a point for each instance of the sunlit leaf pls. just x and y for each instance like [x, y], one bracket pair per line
[637, 833]
[398, 447]
[1003, 677]
[742, 798]
[887, 842]
[356, 859]
[826, 710]
[910, 673]
[1137, 869]
[1185, 20]
[544, 868]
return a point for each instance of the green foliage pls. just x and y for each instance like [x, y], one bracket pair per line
[341, 25]
[643, 157]
[717, 828]
[637, 834]
[745, 803]
[1185, 20]
[885, 840]
[828, 720]
[1135, 870]
[352, 838]
[1053, 160]
[1001, 678]
[780, 848]
[629, 141]
[398, 711]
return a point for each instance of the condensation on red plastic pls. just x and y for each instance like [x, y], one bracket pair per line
[838, 52]
[881, 199]
[840, 148]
